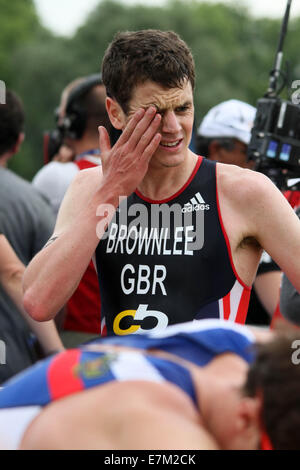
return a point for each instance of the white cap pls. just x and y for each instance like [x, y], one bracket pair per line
[232, 118]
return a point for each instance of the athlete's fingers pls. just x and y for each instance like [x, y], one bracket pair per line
[130, 127]
[148, 135]
[104, 143]
[151, 148]
[104, 140]
[141, 128]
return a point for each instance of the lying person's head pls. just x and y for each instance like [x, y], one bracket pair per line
[274, 377]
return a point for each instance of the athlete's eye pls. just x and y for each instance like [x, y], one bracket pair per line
[182, 109]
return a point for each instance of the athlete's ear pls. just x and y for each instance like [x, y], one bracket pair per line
[248, 423]
[115, 113]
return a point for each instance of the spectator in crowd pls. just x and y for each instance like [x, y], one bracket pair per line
[26, 220]
[223, 136]
[81, 111]
[157, 272]
[200, 385]
[225, 131]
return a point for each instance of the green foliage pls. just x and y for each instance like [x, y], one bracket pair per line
[233, 53]
[18, 24]
[49, 68]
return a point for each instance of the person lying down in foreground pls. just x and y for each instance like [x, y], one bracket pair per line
[209, 384]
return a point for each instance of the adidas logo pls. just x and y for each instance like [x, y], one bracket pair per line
[196, 203]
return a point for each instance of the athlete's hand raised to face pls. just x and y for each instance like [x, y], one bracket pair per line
[126, 163]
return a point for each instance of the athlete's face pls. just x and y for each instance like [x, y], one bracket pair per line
[177, 110]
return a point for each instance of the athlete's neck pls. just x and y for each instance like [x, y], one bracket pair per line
[162, 182]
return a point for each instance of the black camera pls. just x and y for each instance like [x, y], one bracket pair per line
[275, 140]
[275, 136]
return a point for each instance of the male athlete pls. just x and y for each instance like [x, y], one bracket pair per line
[175, 237]
[198, 385]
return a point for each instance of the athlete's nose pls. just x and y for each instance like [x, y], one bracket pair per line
[170, 123]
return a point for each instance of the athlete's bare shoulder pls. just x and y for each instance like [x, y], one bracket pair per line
[82, 188]
[241, 184]
[249, 193]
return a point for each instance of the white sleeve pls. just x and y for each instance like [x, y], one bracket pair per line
[53, 181]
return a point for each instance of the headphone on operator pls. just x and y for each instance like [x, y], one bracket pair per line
[75, 120]
[73, 124]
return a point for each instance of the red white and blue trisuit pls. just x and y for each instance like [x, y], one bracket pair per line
[73, 371]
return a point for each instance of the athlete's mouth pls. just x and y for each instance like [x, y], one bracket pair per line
[171, 144]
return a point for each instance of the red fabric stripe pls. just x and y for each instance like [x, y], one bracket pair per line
[226, 306]
[151, 201]
[277, 316]
[84, 164]
[293, 198]
[104, 331]
[243, 307]
[61, 377]
[265, 442]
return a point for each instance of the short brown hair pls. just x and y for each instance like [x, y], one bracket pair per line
[134, 57]
[276, 377]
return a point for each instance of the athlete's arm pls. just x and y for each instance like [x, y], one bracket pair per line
[267, 287]
[90, 202]
[272, 222]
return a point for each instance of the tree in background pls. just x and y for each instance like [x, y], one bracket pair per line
[19, 28]
[233, 51]
[19, 24]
